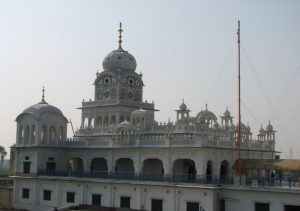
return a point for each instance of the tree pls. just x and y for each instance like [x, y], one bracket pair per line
[3, 153]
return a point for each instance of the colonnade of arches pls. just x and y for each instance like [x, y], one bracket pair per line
[47, 134]
[104, 120]
[153, 168]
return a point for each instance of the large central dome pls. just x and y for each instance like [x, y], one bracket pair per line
[119, 59]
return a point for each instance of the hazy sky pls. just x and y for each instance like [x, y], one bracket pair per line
[185, 49]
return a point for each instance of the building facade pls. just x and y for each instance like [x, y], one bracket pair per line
[120, 157]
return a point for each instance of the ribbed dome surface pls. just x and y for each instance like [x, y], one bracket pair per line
[183, 106]
[37, 110]
[226, 113]
[119, 59]
[206, 115]
[140, 113]
[125, 125]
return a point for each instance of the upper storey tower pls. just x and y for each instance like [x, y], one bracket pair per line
[118, 80]
[118, 91]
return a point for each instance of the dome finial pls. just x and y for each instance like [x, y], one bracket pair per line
[120, 35]
[206, 106]
[43, 95]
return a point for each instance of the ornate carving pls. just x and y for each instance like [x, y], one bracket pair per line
[123, 93]
[99, 94]
[113, 93]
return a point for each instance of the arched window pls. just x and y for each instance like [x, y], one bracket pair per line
[85, 122]
[92, 122]
[184, 170]
[98, 121]
[52, 133]
[113, 119]
[152, 169]
[106, 120]
[224, 171]
[60, 133]
[122, 118]
[21, 134]
[32, 133]
[43, 133]
[26, 134]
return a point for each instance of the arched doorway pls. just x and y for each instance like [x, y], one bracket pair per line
[209, 170]
[75, 166]
[224, 174]
[124, 168]
[99, 167]
[184, 170]
[152, 169]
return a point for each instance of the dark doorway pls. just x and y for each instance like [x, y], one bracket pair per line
[209, 172]
[26, 167]
[50, 167]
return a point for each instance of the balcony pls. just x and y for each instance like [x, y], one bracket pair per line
[172, 178]
[287, 183]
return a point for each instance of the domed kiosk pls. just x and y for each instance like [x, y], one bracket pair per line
[41, 124]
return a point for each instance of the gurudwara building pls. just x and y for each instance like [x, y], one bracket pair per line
[121, 158]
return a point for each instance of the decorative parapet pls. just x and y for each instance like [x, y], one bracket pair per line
[144, 105]
[169, 139]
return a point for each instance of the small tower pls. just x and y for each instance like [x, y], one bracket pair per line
[226, 119]
[183, 111]
[262, 134]
[270, 133]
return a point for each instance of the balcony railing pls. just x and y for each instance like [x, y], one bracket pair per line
[276, 182]
[186, 178]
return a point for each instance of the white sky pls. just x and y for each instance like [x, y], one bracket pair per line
[185, 49]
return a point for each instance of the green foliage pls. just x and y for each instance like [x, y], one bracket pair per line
[3, 153]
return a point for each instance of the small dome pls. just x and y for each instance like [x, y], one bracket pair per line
[226, 113]
[125, 125]
[183, 106]
[202, 116]
[269, 128]
[261, 130]
[139, 113]
[41, 108]
[119, 59]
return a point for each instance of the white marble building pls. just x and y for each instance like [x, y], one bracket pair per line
[122, 157]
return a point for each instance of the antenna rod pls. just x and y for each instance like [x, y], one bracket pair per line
[72, 126]
[239, 105]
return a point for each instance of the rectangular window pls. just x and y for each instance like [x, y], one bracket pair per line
[125, 202]
[96, 199]
[47, 195]
[156, 205]
[70, 197]
[26, 167]
[192, 206]
[291, 207]
[262, 206]
[25, 193]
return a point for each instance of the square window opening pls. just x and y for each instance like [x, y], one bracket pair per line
[70, 197]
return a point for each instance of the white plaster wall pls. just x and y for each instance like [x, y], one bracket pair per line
[244, 199]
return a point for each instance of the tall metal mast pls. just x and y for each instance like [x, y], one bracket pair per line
[239, 105]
